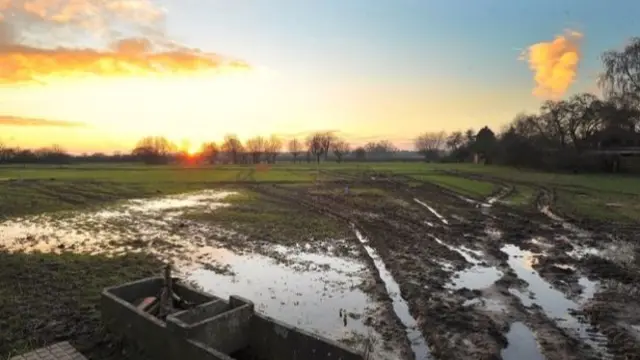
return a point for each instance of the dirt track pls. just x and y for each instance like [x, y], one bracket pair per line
[471, 271]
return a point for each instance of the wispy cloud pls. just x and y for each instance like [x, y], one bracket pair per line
[8, 120]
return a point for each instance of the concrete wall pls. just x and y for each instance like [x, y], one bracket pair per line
[273, 339]
[211, 330]
[227, 332]
[146, 331]
[202, 311]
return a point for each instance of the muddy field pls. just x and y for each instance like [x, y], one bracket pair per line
[408, 270]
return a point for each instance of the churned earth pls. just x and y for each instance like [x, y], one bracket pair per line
[398, 268]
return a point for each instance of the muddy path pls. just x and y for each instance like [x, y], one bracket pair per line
[482, 279]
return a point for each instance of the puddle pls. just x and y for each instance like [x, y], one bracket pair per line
[522, 344]
[444, 221]
[553, 302]
[318, 292]
[315, 292]
[464, 251]
[565, 224]
[486, 303]
[476, 278]
[400, 306]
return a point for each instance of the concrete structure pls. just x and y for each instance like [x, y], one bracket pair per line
[60, 351]
[215, 329]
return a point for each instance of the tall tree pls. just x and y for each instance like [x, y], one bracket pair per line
[340, 149]
[621, 75]
[209, 151]
[255, 146]
[455, 140]
[295, 148]
[315, 145]
[273, 145]
[154, 149]
[232, 147]
[429, 144]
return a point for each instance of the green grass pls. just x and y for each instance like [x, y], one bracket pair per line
[46, 298]
[522, 196]
[468, 187]
[263, 218]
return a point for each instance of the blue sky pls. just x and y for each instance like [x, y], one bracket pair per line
[372, 69]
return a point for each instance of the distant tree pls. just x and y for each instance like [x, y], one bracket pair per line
[209, 151]
[380, 148]
[315, 144]
[340, 149]
[485, 144]
[295, 148]
[53, 154]
[360, 153]
[455, 140]
[153, 149]
[429, 144]
[273, 145]
[326, 139]
[232, 147]
[469, 137]
[255, 147]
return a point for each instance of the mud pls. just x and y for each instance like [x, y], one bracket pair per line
[488, 268]
[439, 275]
[322, 286]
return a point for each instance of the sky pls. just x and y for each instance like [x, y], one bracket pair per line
[97, 75]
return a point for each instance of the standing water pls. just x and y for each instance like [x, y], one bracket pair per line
[400, 306]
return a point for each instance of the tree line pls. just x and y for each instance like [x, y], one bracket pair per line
[582, 132]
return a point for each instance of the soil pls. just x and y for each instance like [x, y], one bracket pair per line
[427, 253]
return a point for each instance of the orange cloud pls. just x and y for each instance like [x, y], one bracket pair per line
[8, 120]
[554, 64]
[144, 51]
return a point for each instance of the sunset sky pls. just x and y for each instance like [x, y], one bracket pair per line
[95, 75]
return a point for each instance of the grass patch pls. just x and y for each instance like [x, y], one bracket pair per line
[262, 218]
[46, 298]
[468, 187]
[521, 196]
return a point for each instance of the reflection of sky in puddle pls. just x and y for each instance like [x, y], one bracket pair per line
[476, 278]
[400, 306]
[522, 344]
[309, 295]
[553, 302]
[488, 304]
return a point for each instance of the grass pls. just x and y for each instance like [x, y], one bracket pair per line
[468, 187]
[46, 298]
[262, 218]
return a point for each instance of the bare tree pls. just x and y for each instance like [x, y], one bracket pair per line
[382, 147]
[315, 145]
[233, 147]
[621, 74]
[209, 151]
[273, 145]
[326, 139]
[340, 149]
[295, 148]
[153, 149]
[255, 146]
[360, 153]
[429, 144]
[455, 140]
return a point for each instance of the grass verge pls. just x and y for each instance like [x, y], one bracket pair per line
[47, 298]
